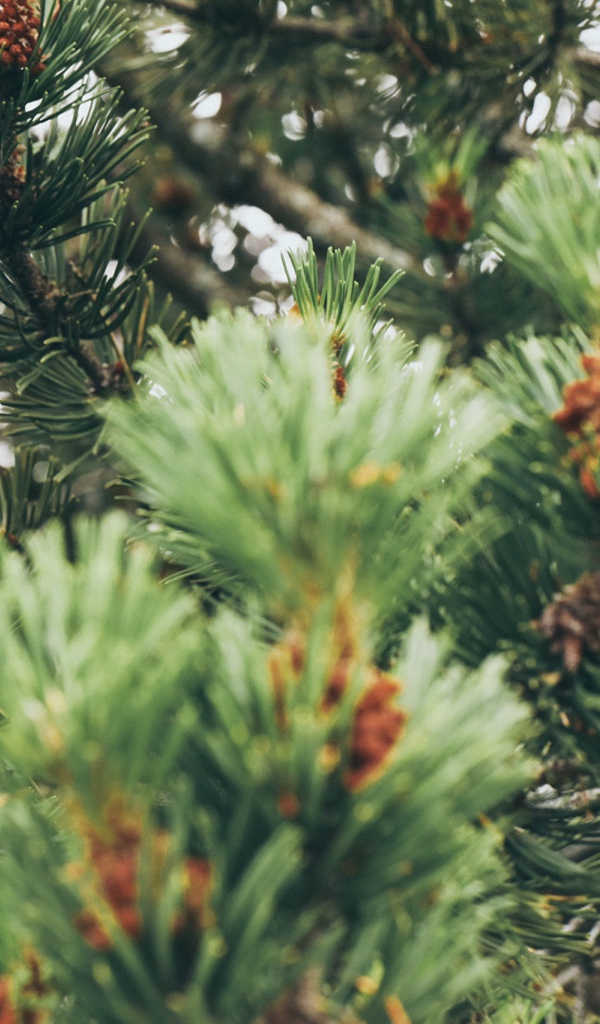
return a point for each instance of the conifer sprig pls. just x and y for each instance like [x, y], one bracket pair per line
[340, 299]
[559, 253]
[31, 492]
[74, 315]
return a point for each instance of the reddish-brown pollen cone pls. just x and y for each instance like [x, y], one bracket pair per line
[114, 855]
[377, 727]
[588, 482]
[582, 400]
[196, 913]
[32, 989]
[580, 416]
[8, 1013]
[345, 651]
[285, 663]
[89, 925]
[337, 684]
[288, 804]
[198, 879]
[448, 217]
[19, 31]
[340, 384]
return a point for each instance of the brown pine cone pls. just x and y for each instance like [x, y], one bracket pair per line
[572, 621]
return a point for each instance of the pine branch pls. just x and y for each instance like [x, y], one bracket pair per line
[306, 212]
[41, 293]
[360, 34]
[44, 300]
[235, 178]
[299, 30]
[314, 30]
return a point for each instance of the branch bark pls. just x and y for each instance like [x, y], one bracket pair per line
[244, 178]
[239, 176]
[298, 30]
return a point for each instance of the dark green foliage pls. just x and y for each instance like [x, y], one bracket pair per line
[31, 492]
[366, 106]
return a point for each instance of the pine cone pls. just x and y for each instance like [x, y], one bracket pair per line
[572, 621]
[19, 30]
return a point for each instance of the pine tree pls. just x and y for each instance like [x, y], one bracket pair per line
[308, 730]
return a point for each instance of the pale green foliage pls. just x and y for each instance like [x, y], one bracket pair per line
[112, 684]
[80, 641]
[340, 298]
[260, 484]
[274, 483]
[548, 224]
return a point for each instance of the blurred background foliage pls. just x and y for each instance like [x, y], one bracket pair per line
[389, 123]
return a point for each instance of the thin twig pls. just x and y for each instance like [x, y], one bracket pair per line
[297, 29]
[351, 34]
[399, 31]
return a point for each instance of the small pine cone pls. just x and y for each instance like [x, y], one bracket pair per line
[377, 726]
[448, 217]
[340, 384]
[19, 31]
[572, 621]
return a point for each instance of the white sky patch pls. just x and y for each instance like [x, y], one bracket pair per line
[294, 125]
[401, 131]
[387, 85]
[565, 109]
[123, 274]
[270, 260]
[590, 37]
[207, 104]
[254, 220]
[263, 304]
[7, 455]
[529, 86]
[163, 40]
[385, 161]
[265, 240]
[78, 113]
[490, 261]
[592, 114]
[539, 113]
